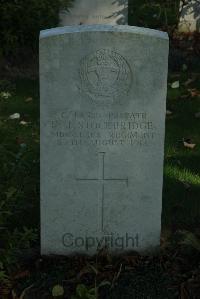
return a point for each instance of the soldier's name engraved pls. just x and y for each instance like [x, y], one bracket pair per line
[102, 128]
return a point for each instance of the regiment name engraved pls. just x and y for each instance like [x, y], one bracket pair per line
[73, 128]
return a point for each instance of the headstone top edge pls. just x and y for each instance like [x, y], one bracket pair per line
[103, 28]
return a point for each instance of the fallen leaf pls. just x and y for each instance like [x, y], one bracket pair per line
[24, 123]
[175, 84]
[189, 145]
[194, 92]
[168, 112]
[57, 291]
[28, 100]
[14, 116]
[23, 145]
[5, 95]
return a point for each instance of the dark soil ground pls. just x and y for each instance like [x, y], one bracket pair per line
[172, 273]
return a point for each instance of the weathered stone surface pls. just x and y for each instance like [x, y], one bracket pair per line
[114, 12]
[190, 16]
[103, 93]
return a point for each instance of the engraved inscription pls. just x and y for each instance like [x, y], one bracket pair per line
[105, 76]
[75, 128]
[103, 180]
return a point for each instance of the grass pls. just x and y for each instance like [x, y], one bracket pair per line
[19, 156]
[181, 192]
[183, 175]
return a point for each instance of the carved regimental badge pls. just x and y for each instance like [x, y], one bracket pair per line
[105, 76]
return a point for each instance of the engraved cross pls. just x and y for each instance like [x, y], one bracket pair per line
[102, 180]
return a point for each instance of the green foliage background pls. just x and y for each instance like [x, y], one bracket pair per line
[21, 21]
[157, 14]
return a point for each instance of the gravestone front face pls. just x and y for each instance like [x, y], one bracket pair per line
[103, 94]
[114, 12]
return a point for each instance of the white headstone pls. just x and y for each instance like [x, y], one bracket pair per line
[190, 16]
[103, 96]
[114, 12]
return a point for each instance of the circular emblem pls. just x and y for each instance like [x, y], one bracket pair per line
[105, 76]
